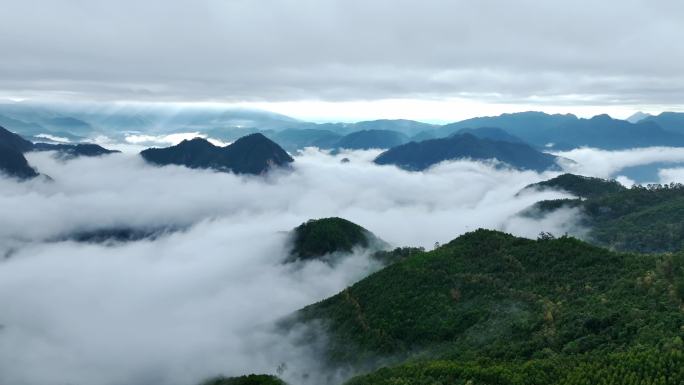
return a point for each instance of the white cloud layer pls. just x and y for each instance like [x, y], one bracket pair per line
[201, 302]
[606, 164]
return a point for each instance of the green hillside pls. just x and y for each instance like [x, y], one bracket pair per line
[489, 302]
[642, 218]
[317, 238]
[579, 185]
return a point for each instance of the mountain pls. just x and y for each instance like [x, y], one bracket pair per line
[604, 132]
[251, 154]
[74, 150]
[564, 132]
[14, 164]
[295, 139]
[403, 126]
[369, 139]
[578, 185]
[252, 379]
[14, 141]
[637, 117]
[12, 160]
[69, 122]
[670, 121]
[642, 219]
[419, 156]
[320, 238]
[492, 308]
[532, 126]
[492, 133]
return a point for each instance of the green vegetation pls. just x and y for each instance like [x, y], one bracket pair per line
[388, 257]
[490, 308]
[252, 379]
[643, 218]
[581, 186]
[648, 367]
[319, 237]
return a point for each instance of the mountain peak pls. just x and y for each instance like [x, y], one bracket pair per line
[637, 117]
[251, 154]
[417, 156]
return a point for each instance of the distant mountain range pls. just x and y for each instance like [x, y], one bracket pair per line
[77, 122]
[13, 147]
[251, 154]
[74, 150]
[416, 156]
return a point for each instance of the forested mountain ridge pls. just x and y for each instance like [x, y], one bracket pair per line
[579, 185]
[494, 297]
[320, 238]
[251, 154]
[642, 218]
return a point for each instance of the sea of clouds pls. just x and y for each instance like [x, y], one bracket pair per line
[202, 301]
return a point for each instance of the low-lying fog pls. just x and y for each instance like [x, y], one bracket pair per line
[200, 302]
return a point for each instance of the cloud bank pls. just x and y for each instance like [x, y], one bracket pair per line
[202, 301]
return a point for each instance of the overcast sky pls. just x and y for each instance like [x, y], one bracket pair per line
[418, 58]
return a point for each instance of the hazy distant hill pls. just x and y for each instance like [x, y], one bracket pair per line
[532, 127]
[493, 133]
[406, 127]
[368, 139]
[637, 117]
[421, 155]
[568, 131]
[252, 154]
[13, 163]
[671, 121]
[74, 150]
[294, 139]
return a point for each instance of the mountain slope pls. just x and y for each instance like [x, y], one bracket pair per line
[294, 139]
[491, 296]
[12, 160]
[421, 155]
[369, 139]
[531, 126]
[671, 121]
[251, 154]
[74, 150]
[13, 163]
[318, 238]
[14, 141]
[581, 186]
[492, 133]
[567, 131]
[642, 219]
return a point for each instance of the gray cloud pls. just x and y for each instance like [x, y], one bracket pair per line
[608, 52]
